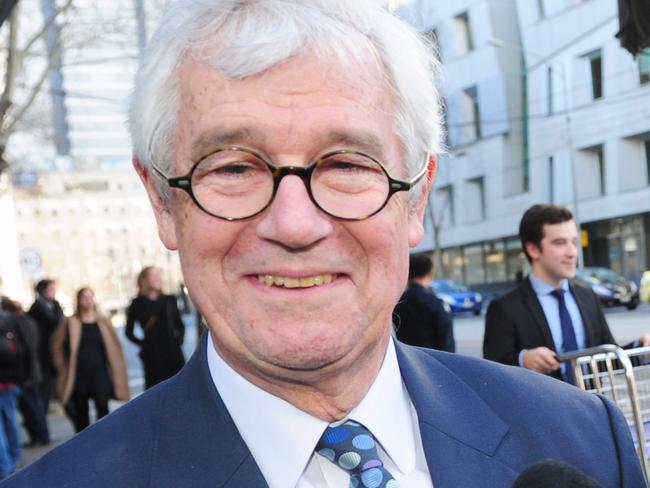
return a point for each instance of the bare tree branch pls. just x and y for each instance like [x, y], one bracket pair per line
[46, 25]
[10, 74]
[34, 91]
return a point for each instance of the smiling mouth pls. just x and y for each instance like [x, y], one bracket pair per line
[287, 282]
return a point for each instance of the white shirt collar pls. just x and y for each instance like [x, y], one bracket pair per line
[282, 438]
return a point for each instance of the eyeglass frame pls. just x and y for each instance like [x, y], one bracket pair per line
[278, 172]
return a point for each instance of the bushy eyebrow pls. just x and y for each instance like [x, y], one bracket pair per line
[209, 141]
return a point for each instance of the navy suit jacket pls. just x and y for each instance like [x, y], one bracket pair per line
[481, 424]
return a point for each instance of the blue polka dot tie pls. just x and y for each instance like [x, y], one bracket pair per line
[352, 447]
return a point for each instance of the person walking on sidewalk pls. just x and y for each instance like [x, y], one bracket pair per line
[162, 329]
[88, 356]
[14, 368]
[47, 314]
[30, 402]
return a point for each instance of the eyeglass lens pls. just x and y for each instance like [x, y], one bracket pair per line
[237, 184]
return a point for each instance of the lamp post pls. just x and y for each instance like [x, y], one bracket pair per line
[499, 43]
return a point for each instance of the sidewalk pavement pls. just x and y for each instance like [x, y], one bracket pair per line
[60, 431]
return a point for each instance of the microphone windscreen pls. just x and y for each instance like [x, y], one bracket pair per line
[554, 474]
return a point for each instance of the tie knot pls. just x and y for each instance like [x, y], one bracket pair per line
[352, 447]
[558, 293]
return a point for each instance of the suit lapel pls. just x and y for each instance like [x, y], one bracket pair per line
[217, 456]
[460, 432]
[533, 306]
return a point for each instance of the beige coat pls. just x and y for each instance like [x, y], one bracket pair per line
[70, 329]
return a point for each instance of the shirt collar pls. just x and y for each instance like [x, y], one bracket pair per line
[282, 438]
[542, 288]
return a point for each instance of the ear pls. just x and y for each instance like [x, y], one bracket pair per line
[164, 220]
[532, 250]
[418, 207]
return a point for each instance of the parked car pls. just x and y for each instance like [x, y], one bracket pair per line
[644, 292]
[612, 288]
[458, 296]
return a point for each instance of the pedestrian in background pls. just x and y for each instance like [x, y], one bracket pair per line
[420, 317]
[547, 313]
[14, 366]
[47, 314]
[159, 319]
[89, 358]
[30, 402]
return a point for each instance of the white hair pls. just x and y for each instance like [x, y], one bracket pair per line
[242, 38]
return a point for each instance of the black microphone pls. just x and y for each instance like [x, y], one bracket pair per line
[549, 473]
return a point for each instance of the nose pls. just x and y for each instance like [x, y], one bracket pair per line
[573, 248]
[292, 219]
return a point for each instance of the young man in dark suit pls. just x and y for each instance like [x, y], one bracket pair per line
[547, 313]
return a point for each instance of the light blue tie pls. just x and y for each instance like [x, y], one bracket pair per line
[352, 447]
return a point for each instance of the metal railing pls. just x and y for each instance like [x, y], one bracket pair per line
[623, 376]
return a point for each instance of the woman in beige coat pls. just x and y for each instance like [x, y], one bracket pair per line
[89, 360]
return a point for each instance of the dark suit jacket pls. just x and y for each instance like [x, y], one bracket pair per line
[47, 316]
[481, 425]
[421, 320]
[516, 321]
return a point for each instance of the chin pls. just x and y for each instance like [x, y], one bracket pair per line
[305, 351]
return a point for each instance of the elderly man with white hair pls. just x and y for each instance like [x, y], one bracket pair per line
[288, 148]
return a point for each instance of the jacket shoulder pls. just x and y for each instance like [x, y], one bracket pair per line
[114, 451]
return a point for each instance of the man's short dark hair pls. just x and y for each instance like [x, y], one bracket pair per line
[531, 227]
[419, 265]
[42, 285]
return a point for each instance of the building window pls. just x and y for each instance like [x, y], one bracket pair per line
[471, 110]
[495, 262]
[463, 33]
[516, 262]
[647, 159]
[446, 212]
[453, 264]
[600, 161]
[644, 66]
[474, 264]
[475, 200]
[591, 167]
[596, 69]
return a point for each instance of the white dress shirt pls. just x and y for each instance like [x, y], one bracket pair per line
[282, 438]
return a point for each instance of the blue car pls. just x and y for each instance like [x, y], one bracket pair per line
[458, 297]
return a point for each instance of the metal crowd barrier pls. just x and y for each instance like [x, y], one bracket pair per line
[622, 376]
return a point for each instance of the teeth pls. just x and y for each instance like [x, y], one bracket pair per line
[286, 282]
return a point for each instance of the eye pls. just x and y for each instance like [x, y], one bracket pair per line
[239, 168]
[349, 163]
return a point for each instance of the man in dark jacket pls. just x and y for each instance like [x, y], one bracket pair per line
[420, 317]
[47, 314]
[547, 313]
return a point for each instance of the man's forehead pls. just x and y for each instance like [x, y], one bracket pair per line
[247, 110]
[561, 229]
